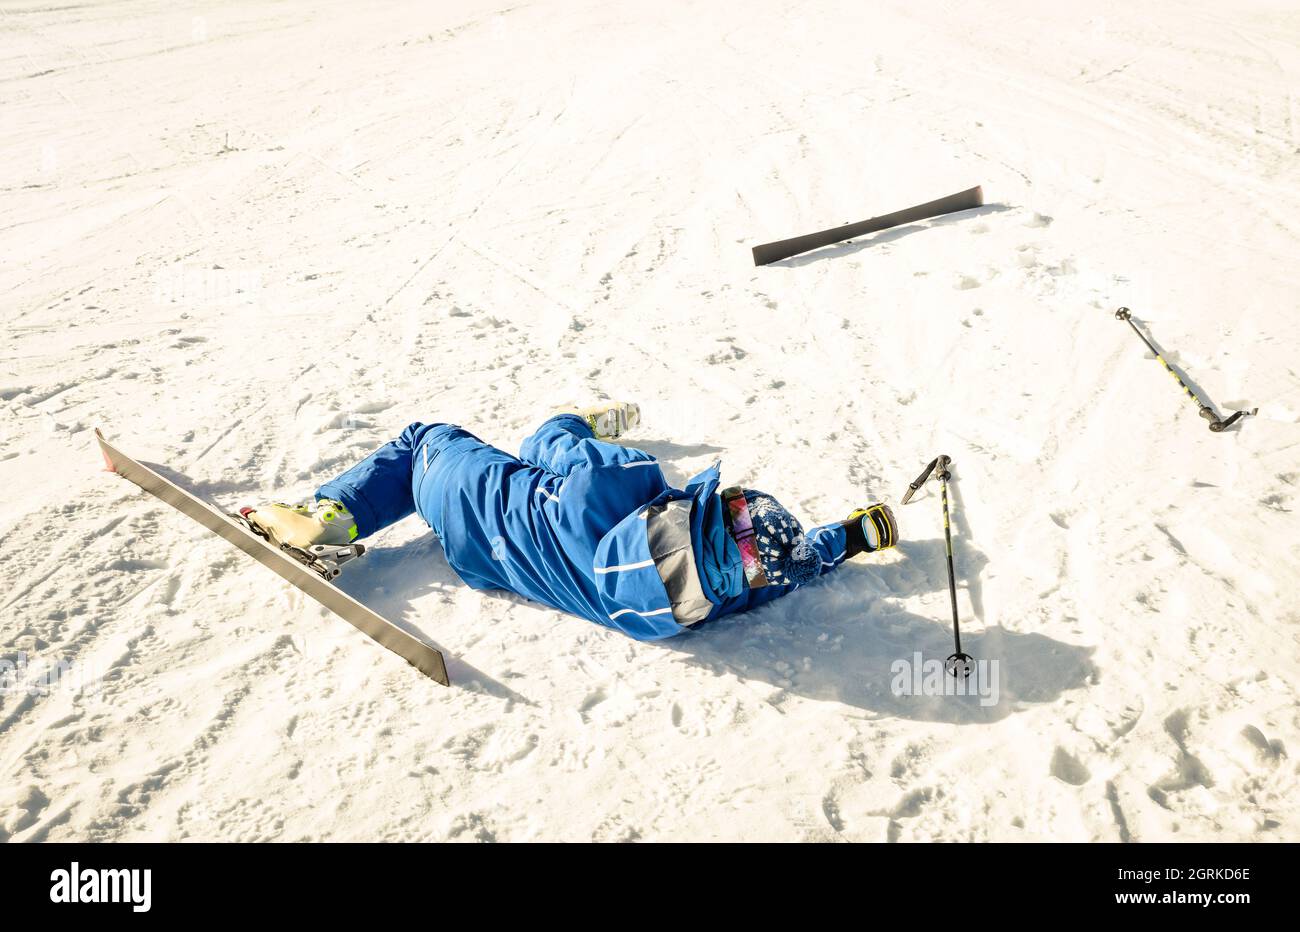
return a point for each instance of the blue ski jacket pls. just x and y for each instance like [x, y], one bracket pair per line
[584, 526]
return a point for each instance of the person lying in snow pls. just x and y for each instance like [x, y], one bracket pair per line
[581, 524]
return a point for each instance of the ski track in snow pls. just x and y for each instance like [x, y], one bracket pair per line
[252, 244]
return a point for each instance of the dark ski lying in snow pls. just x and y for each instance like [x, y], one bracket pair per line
[784, 249]
[424, 657]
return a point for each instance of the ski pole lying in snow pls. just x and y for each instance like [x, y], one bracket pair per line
[1217, 424]
[784, 249]
[959, 663]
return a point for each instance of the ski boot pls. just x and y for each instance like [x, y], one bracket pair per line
[871, 529]
[610, 420]
[318, 534]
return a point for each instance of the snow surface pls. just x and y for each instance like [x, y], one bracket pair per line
[253, 241]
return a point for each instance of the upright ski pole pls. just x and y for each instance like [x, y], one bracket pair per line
[1217, 424]
[960, 663]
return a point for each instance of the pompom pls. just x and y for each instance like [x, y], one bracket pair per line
[787, 556]
[803, 563]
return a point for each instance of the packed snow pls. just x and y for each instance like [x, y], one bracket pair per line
[253, 241]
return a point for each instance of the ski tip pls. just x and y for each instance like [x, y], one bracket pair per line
[978, 195]
[103, 451]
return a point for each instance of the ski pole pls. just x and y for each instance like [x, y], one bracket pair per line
[960, 663]
[1217, 424]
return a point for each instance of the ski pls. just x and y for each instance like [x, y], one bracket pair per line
[307, 572]
[784, 249]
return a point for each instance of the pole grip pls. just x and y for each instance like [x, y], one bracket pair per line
[920, 480]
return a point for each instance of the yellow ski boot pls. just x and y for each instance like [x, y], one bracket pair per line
[610, 420]
[303, 526]
[319, 534]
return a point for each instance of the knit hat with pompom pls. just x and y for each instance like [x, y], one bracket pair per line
[787, 556]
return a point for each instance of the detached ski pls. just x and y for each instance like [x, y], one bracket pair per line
[784, 249]
[424, 657]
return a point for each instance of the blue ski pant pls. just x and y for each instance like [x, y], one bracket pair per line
[396, 480]
[529, 524]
